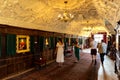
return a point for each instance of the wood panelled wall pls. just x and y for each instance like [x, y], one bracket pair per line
[12, 64]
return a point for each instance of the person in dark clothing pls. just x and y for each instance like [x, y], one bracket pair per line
[108, 46]
[113, 55]
[100, 51]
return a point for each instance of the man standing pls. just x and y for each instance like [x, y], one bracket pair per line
[104, 46]
[102, 50]
[93, 45]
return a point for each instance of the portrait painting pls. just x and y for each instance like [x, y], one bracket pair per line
[23, 43]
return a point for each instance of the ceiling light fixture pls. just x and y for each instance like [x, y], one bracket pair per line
[65, 16]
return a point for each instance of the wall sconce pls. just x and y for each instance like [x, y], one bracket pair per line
[46, 42]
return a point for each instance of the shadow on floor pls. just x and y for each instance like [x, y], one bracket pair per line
[83, 70]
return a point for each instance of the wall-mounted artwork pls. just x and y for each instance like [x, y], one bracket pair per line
[23, 43]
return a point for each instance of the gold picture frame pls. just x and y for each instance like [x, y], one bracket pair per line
[23, 43]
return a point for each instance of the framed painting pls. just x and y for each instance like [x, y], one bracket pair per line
[23, 43]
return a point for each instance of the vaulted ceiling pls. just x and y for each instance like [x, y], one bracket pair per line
[99, 15]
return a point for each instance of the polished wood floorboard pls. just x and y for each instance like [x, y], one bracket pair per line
[106, 72]
[83, 70]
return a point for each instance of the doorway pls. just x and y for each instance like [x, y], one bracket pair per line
[98, 37]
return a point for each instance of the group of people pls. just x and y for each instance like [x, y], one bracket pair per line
[102, 50]
[60, 51]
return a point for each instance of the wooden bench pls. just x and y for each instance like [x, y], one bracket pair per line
[69, 51]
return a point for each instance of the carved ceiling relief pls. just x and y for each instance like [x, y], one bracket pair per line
[15, 11]
[44, 14]
[118, 15]
[117, 2]
[108, 13]
[59, 4]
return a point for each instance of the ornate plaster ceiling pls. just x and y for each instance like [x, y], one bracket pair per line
[43, 14]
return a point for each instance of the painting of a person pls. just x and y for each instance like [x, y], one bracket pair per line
[22, 44]
[60, 52]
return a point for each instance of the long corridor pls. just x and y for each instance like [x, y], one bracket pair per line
[85, 69]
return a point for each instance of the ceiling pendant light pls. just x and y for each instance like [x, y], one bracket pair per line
[65, 16]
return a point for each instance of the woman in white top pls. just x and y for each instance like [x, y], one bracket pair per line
[60, 52]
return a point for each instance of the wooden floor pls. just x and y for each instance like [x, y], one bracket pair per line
[83, 70]
[106, 72]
